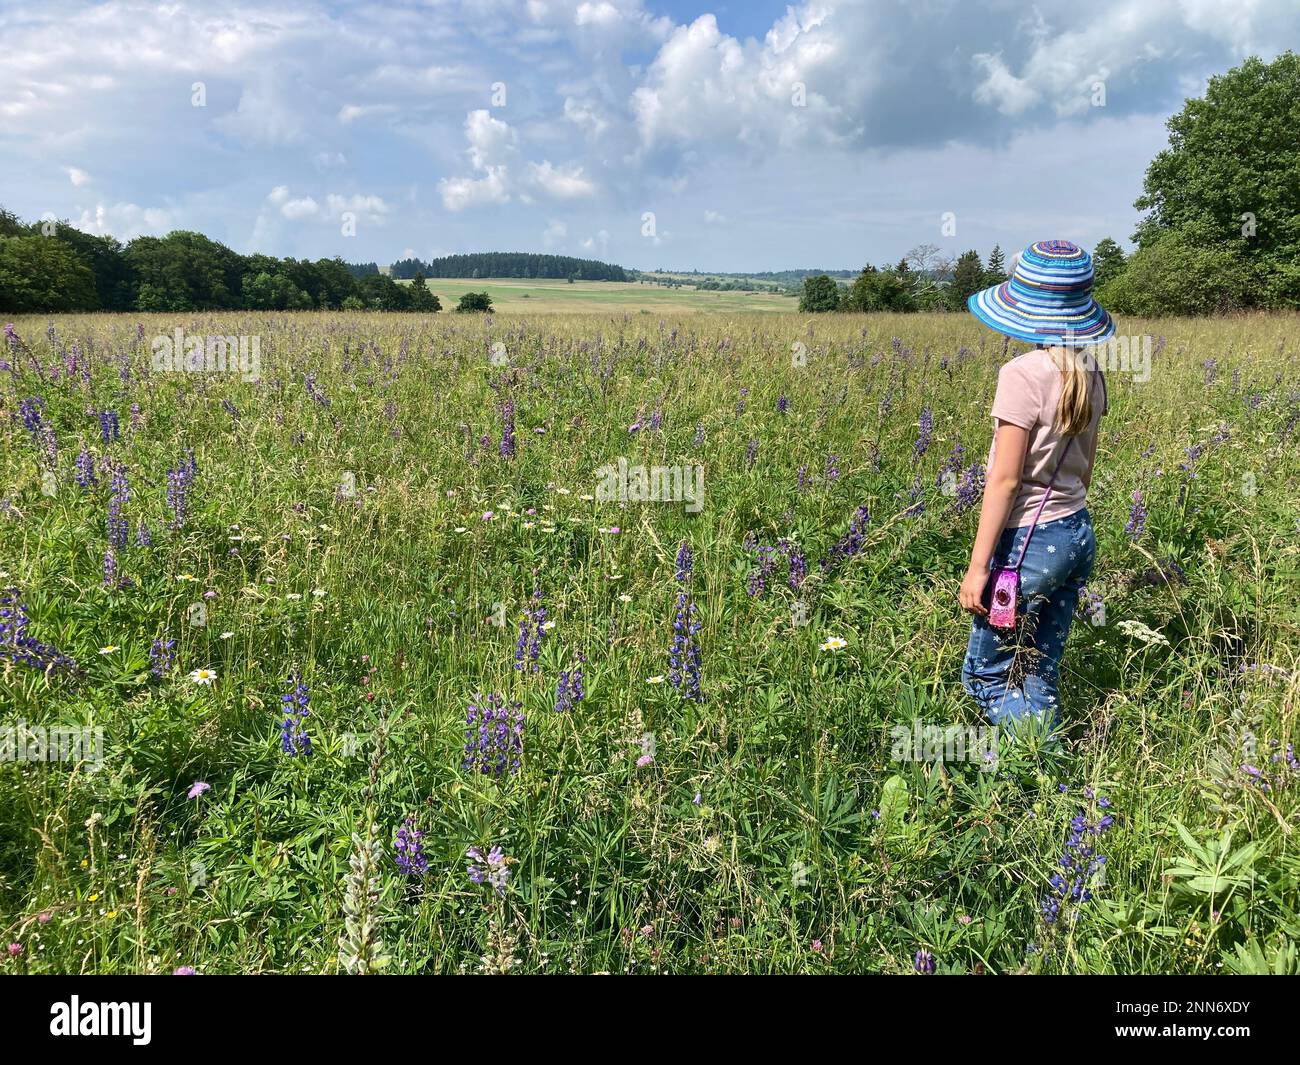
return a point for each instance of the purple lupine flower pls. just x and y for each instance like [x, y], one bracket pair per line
[751, 453]
[161, 656]
[699, 437]
[494, 736]
[848, 545]
[532, 628]
[782, 404]
[494, 869]
[756, 582]
[1211, 371]
[137, 419]
[570, 689]
[924, 435]
[507, 447]
[832, 468]
[108, 427]
[179, 481]
[1137, 517]
[411, 860]
[804, 482]
[119, 494]
[143, 536]
[916, 497]
[684, 652]
[16, 642]
[85, 469]
[656, 420]
[1079, 864]
[319, 397]
[110, 569]
[924, 963]
[798, 567]
[32, 411]
[1091, 606]
[970, 487]
[296, 705]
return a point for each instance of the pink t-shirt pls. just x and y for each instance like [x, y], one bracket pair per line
[1029, 388]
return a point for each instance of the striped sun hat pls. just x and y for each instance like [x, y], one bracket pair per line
[1048, 299]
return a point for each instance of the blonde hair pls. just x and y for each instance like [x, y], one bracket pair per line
[1074, 409]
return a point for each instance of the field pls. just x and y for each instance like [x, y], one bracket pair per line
[545, 296]
[290, 602]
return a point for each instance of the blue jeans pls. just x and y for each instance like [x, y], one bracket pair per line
[1014, 674]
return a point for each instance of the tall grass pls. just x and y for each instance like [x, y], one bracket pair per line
[767, 828]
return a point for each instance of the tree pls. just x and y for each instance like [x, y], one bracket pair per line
[1178, 274]
[475, 303]
[967, 279]
[880, 290]
[1107, 261]
[997, 268]
[382, 293]
[1230, 177]
[41, 274]
[820, 293]
[421, 298]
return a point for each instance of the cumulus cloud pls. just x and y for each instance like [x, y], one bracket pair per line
[77, 176]
[493, 148]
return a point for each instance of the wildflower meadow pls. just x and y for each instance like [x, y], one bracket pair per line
[630, 644]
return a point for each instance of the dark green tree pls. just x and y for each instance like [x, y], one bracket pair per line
[475, 303]
[41, 274]
[996, 272]
[820, 294]
[1107, 261]
[967, 279]
[1229, 181]
[422, 299]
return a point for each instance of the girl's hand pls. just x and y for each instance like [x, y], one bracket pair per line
[971, 594]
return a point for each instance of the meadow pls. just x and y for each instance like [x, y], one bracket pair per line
[548, 296]
[387, 683]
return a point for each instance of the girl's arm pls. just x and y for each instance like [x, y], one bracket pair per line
[1000, 489]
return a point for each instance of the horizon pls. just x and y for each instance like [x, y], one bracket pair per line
[722, 138]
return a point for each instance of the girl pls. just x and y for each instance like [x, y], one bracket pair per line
[1034, 514]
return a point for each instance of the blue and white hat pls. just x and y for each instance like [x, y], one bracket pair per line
[1048, 299]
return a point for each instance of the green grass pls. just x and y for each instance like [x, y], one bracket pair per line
[751, 842]
[545, 296]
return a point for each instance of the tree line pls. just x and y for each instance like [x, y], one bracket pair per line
[52, 266]
[1221, 231]
[528, 265]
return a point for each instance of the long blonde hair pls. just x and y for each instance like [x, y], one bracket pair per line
[1074, 409]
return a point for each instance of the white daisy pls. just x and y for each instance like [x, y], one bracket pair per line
[659, 679]
[109, 649]
[203, 676]
[835, 643]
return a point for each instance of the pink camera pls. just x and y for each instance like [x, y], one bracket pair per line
[1006, 590]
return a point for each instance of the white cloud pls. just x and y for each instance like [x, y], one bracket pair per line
[561, 183]
[352, 112]
[77, 176]
[125, 221]
[305, 207]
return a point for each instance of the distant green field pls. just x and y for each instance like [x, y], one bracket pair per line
[545, 296]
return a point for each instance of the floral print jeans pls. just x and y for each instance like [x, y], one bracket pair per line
[1014, 674]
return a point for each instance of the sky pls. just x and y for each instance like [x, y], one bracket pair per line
[741, 136]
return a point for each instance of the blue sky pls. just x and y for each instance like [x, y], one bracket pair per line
[737, 136]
